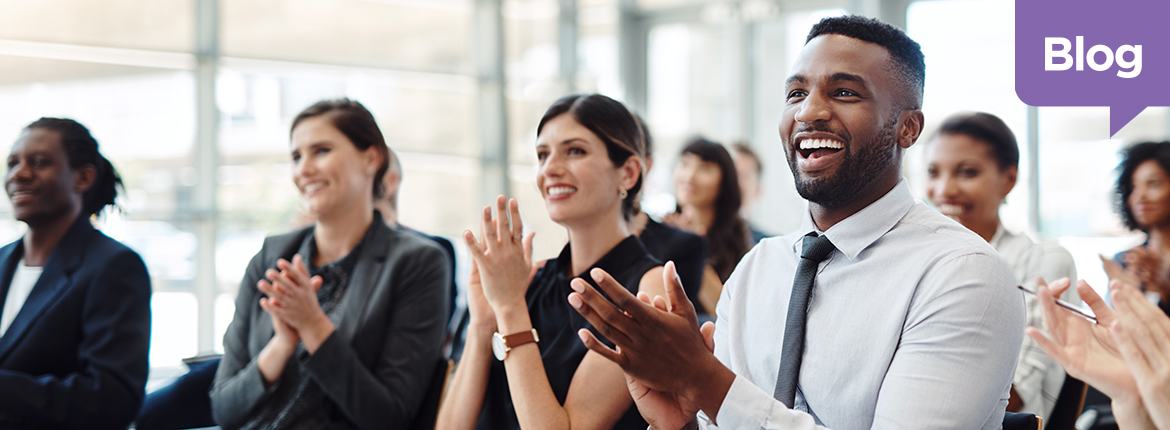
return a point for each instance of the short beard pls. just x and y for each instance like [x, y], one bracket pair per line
[856, 172]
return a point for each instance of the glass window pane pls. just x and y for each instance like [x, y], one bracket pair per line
[164, 25]
[427, 35]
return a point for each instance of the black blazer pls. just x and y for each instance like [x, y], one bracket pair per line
[686, 249]
[377, 364]
[76, 355]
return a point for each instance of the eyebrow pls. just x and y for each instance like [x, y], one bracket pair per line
[840, 76]
[311, 146]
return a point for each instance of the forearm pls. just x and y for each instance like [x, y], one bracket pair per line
[536, 404]
[315, 333]
[273, 358]
[1131, 414]
[464, 399]
[709, 386]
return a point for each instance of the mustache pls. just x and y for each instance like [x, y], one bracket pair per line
[817, 127]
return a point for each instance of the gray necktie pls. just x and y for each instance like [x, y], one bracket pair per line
[816, 248]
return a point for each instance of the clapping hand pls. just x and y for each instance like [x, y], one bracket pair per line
[1142, 332]
[657, 340]
[292, 301]
[504, 258]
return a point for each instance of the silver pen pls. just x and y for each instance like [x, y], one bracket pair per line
[1077, 310]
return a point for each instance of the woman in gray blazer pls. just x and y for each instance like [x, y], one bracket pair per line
[339, 324]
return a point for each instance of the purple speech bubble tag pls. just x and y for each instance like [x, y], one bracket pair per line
[1112, 53]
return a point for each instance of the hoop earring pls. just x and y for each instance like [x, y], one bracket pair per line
[623, 194]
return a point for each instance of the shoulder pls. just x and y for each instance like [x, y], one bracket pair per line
[104, 251]
[926, 231]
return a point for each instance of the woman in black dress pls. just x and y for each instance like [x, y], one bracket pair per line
[590, 154]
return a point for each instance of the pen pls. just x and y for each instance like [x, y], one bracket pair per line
[1063, 304]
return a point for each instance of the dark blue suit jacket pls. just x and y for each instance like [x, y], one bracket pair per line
[75, 357]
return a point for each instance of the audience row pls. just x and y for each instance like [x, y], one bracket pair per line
[897, 315]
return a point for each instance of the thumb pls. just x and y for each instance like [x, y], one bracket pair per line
[708, 332]
[675, 295]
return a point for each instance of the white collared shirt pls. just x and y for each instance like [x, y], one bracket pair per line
[914, 323]
[23, 280]
[1038, 378]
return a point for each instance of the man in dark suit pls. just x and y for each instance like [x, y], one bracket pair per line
[75, 314]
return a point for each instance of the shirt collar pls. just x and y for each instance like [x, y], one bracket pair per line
[860, 230]
[1000, 232]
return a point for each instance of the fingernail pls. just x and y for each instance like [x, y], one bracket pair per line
[581, 335]
[576, 286]
[575, 301]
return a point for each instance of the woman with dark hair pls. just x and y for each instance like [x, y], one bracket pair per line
[1143, 199]
[75, 321]
[339, 324]
[590, 157]
[972, 166]
[706, 187]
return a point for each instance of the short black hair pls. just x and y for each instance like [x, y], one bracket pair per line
[82, 150]
[1131, 158]
[989, 129]
[907, 61]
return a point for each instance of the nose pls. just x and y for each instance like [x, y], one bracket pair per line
[944, 187]
[19, 173]
[303, 167]
[553, 166]
[813, 108]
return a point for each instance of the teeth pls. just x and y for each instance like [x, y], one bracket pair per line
[947, 209]
[313, 187]
[821, 143]
[556, 191]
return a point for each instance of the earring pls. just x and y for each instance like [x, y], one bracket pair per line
[370, 171]
[623, 194]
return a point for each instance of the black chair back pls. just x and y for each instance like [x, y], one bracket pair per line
[1069, 405]
[1014, 421]
[428, 412]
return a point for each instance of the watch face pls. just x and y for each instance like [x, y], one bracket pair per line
[499, 348]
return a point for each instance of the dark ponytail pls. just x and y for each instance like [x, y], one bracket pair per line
[82, 150]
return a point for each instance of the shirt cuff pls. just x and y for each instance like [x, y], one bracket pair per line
[746, 406]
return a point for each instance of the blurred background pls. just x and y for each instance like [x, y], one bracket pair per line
[192, 100]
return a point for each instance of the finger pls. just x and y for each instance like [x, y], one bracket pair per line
[527, 242]
[708, 332]
[503, 234]
[1100, 309]
[517, 225]
[608, 320]
[1054, 322]
[1051, 348]
[490, 238]
[269, 289]
[289, 271]
[473, 246]
[1141, 319]
[1059, 286]
[679, 304]
[661, 304]
[617, 294]
[1130, 343]
[316, 283]
[645, 298]
[595, 345]
[301, 270]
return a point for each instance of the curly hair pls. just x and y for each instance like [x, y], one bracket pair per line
[82, 150]
[1131, 158]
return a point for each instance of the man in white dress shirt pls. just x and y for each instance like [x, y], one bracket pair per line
[914, 322]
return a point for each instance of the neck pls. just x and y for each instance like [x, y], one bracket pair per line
[638, 223]
[337, 235]
[825, 217]
[703, 216]
[1159, 238]
[986, 229]
[42, 238]
[591, 241]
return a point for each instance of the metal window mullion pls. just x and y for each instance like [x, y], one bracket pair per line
[206, 163]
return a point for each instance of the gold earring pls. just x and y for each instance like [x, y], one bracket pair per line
[623, 194]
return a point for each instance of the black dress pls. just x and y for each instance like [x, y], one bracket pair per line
[557, 323]
[687, 250]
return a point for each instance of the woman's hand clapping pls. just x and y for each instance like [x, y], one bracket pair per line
[502, 260]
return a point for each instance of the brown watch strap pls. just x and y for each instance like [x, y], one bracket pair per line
[516, 339]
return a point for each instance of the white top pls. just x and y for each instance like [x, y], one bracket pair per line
[914, 323]
[1038, 379]
[22, 284]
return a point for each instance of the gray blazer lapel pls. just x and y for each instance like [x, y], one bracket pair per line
[368, 273]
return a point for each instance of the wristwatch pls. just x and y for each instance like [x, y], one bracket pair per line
[502, 344]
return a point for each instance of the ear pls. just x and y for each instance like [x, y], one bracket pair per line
[630, 171]
[83, 178]
[909, 128]
[1011, 173]
[649, 164]
[373, 159]
[392, 180]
